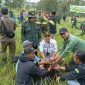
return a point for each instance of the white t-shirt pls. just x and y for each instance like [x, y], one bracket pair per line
[48, 48]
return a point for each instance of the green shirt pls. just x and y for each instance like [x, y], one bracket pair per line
[72, 44]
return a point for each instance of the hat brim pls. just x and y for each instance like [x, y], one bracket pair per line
[62, 32]
[35, 50]
[30, 43]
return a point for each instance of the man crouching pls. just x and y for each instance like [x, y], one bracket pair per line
[27, 70]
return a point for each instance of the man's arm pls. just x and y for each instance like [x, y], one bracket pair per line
[65, 68]
[58, 59]
[47, 19]
[73, 75]
[71, 44]
[43, 56]
[41, 50]
[39, 72]
[65, 51]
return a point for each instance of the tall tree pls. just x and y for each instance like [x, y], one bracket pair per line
[61, 6]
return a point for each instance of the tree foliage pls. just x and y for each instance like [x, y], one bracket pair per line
[60, 6]
[13, 3]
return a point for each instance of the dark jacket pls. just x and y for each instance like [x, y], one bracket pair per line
[52, 28]
[27, 71]
[76, 73]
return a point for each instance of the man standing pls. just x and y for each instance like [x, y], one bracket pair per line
[52, 27]
[51, 22]
[7, 23]
[31, 30]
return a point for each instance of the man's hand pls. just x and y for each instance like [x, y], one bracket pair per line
[57, 67]
[50, 68]
[52, 58]
[44, 61]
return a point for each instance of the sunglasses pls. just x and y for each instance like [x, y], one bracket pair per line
[62, 33]
[47, 35]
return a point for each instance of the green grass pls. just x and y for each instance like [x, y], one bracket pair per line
[7, 73]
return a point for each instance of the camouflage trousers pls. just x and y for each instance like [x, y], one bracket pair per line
[12, 47]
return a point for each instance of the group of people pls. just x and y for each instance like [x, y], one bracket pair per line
[48, 51]
[33, 69]
[74, 22]
[29, 64]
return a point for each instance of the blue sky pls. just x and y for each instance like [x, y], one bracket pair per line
[33, 0]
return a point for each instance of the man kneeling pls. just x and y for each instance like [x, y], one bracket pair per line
[27, 70]
[76, 74]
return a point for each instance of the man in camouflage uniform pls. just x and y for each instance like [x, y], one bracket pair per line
[6, 41]
[31, 30]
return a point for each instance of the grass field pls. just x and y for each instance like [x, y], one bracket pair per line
[7, 73]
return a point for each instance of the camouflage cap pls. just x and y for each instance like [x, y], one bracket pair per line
[4, 9]
[31, 14]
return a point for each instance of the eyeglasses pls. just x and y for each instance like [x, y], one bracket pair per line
[62, 33]
[47, 35]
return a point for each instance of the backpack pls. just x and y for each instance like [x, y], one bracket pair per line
[8, 33]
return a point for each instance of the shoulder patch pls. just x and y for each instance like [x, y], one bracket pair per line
[77, 71]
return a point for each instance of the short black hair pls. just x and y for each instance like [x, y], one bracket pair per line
[53, 12]
[80, 55]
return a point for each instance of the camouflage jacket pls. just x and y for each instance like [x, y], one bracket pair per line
[9, 23]
[31, 32]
